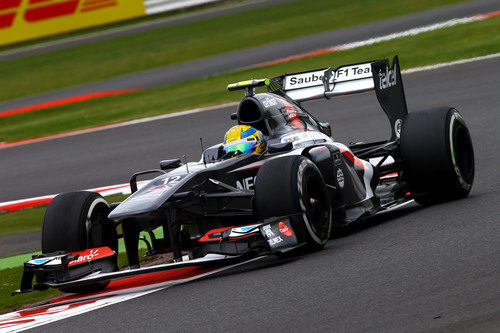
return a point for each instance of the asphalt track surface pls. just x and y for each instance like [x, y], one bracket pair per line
[247, 57]
[431, 268]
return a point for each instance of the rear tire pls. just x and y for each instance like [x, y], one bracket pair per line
[437, 155]
[291, 185]
[77, 221]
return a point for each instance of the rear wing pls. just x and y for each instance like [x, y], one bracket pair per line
[327, 82]
[351, 79]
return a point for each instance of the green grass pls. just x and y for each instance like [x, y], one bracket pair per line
[10, 280]
[458, 42]
[176, 44]
[24, 220]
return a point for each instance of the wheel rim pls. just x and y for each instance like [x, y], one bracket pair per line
[317, 208]
[463, 152]
[98, 232]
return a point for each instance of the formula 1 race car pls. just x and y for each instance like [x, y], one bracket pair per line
[288, 198]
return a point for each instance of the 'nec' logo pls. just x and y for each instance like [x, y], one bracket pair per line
[246, 183]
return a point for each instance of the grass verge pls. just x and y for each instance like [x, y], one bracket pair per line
[10, 280]
[176, 44]
[454, 43]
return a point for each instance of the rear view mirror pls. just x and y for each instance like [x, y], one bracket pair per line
[326, 128]
[170, 164]
[279, 147]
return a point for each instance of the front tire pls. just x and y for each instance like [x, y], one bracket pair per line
[294, 185]
[437, 155]
[77, 221]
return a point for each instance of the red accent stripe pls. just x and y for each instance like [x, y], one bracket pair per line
[250, 168]
[391, 175]
[488, 15]
[293, 115]
[311, 54]
[15, 322]
[318, 148]
[6, 4]
[26, 204]
[63, 101]
[353, 158]
[205, 237]
[145, 280]
[45, 311]
[45, 200]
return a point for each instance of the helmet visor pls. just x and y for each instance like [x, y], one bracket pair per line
[246, 146]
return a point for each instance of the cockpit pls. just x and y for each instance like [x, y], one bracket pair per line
[273, 115]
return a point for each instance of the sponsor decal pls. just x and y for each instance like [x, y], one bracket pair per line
[171, 180]
[290, 139]
[279, 234]
[268, 102]
[305, 80]
[268, 231]
[284, 229]
[49, 261]
[271, 237]
[246, 183]
[315, 78]
[244, 231]
[275, 240]
[387, 78]
[336, 159]
[41, 261]
[340, 178]
[91, 254]
[247, 228]
[397, 127]
[353, 72]
[293, 115]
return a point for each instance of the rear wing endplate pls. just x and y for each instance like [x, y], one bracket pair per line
[351, 79]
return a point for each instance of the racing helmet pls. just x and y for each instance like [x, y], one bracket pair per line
[245, 139]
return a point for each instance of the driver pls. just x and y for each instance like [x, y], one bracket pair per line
[244, 139]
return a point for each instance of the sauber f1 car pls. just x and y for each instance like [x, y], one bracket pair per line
[289, 198]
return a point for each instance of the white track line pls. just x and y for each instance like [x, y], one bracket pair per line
[447, 64]
[410, 32]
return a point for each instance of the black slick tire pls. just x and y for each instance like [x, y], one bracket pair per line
[437, 155]
[76, 221]
[294, 185]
